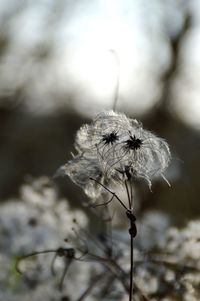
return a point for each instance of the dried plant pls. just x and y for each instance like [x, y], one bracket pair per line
[116, 149]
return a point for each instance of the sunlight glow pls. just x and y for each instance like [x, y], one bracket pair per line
[96, 67]
[104, 55]
[84, 50]
[103, 51]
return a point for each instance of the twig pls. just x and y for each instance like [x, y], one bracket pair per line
[116, 94]
[113, 193]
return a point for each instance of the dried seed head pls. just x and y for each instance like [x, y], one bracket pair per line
[107, 126]
[115, 147]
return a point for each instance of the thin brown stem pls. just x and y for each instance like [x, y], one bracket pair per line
[131, 269]
[67, 264]
[113, 193]
[131, 240]
[102, 204]
[116, 92]
[21, 258]
[128, 194]
[131, 193]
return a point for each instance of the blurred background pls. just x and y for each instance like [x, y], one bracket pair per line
[59, 65]
[62, 62]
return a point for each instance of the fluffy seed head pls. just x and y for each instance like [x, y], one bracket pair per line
[115, 147]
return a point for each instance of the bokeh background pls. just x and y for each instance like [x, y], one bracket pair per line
[62, 62]
[59, 64]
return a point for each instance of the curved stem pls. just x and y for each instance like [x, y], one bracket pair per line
[116, 94]
[128, 194]
[113, 193]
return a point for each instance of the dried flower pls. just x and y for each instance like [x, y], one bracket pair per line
[115, 147]
[106, 129]
[143, 155]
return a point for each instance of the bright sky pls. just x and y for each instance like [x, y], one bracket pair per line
[93, 43]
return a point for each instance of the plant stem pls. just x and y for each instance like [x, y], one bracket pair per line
[131, 269]
[116, 94]
[130, 198]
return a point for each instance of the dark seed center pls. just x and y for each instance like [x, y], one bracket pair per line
[133, 143]
[110, 138]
